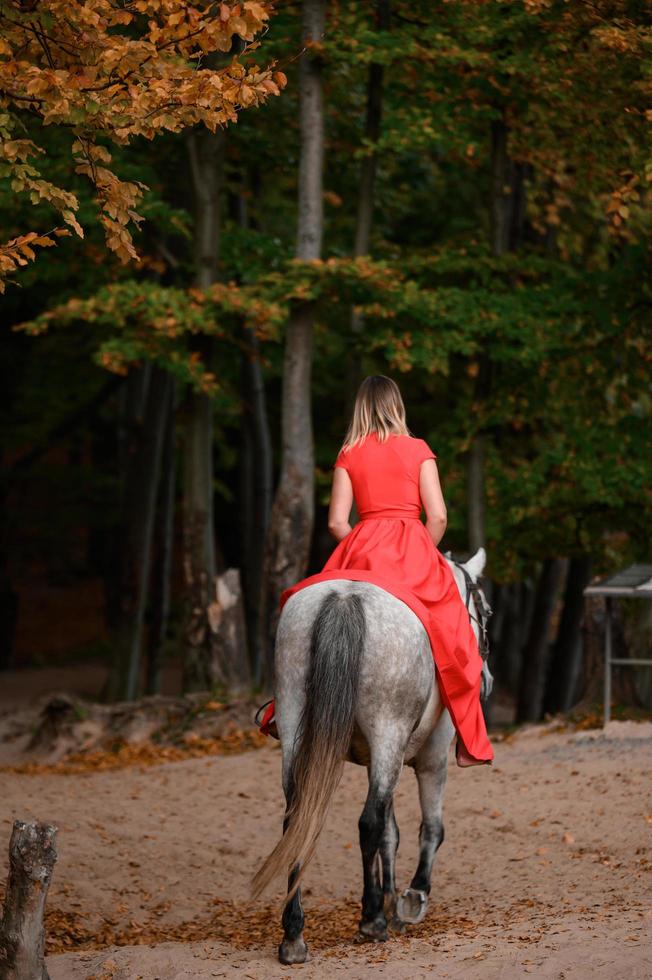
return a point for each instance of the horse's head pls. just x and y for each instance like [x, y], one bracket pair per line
[467, 575]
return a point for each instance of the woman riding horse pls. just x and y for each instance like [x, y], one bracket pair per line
[391, 475]
[376, 660]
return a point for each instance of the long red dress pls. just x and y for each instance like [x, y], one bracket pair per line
[390, 547]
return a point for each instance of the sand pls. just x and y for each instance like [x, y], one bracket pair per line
[545, 869]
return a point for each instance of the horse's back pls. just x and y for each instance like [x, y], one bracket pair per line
[396, 687]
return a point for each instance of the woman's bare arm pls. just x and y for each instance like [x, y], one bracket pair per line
[432, 499]
[341, 504]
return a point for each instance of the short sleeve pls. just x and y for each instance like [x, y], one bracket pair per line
[343, 461]
[423, 451]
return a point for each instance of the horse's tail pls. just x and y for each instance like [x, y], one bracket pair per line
[324, 735]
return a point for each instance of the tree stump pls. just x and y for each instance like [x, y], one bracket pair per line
[227, 622]
[32, 856]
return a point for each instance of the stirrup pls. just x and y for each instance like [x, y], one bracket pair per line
[267, 724]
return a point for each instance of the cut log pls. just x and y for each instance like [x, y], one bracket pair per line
[227, 622]
[32, 856]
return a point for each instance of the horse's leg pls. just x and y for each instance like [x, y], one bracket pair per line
[373, 824]
[373, 924]
[389, 847]
[431, 767]
[293, 948]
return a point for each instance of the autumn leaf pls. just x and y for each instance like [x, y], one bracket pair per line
[110, 77]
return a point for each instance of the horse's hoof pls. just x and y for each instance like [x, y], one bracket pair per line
[412, 906]
[372, 932]
[292, 951]
[397, 925]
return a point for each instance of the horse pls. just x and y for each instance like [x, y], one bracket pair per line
[355, 681]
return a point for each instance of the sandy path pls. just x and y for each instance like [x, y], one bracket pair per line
[545, 869]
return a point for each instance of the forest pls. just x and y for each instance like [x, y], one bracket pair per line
[218, 218]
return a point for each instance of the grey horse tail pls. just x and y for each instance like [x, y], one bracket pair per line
[323, 737]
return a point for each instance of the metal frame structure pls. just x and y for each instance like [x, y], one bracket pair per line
[634, 582]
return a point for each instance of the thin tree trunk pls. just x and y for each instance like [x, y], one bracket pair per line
[476, 494]
[566, 660]
[534, 659]
[591, 680]
[502, 199]
[199, 563]
[206, 154]
[8, 596]
[257, 497]
[502, 225]
[141, 490]
[366, 186]
[32, 856]
[288, 544]
[162, 567]
[256, 475]
[131, 406]
[508, 648]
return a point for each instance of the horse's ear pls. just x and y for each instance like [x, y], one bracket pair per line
[475, 565]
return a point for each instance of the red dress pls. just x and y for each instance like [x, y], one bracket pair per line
[390, 547]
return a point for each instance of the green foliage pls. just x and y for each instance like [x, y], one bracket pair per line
[137, 322]
[562, 322]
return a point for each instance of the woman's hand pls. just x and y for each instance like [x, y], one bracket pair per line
[341, 504]
[433, 500]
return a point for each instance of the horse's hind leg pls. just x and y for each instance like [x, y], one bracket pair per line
[293, 948]
[431, 767]
[373, 825]
[389, 847]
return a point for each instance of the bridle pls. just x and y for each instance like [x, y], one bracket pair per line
[482, 607]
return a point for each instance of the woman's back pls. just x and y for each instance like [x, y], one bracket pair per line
[385, 475]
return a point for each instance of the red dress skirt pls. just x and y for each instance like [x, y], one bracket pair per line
[391, 548]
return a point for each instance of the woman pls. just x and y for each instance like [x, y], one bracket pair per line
[390, 475]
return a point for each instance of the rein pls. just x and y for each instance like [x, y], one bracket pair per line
[482, 607]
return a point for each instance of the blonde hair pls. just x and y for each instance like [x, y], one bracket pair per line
[378, 408]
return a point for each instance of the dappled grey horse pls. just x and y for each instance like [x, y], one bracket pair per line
[355, 680]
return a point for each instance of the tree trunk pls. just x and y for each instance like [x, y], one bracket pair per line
[8, 597]
[199, 563]
[534, 659]
[131, 407]
[502, 228]
[288, 544]
[590, 686]
[257, 498]
[256, 473]
[515, 636]
[206, 154]
[32, 856]
[367, 183]
[566, 660]
[502, 200]
[143, 475]
[509, 642]
[475, 494]
[162, 567]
